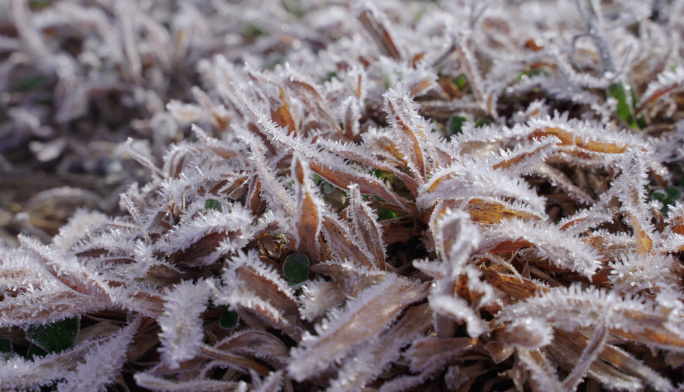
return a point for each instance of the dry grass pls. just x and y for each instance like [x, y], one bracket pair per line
[323, 196]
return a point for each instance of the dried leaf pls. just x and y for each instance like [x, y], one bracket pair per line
[366, 228]
[357, 323]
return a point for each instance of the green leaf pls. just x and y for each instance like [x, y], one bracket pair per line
[55, 337]
[384, 213]
[5, 346]
[324, 185]
[330, 75]
[641, 121]
[37, 5]
[482, 122]
[378, 173]
[229, 319]
[455, 124]
[212, 204]
[253, 31]
[660, 197]
[623, 110]
[5, 349]
[673, 194]
[460, 81]
[296, 268]
[35, 351]
[30, 82]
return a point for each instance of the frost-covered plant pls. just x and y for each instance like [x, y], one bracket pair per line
[386, 196]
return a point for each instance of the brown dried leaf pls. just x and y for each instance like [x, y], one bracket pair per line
[367, 184]
[567, 348]
[434, 353]
[350, 278]
[272, 293]
[364, 155]
[339, 243]
[309, 212]
[499, 351]
[78, 278]
[60, 304]
[282, 116]
[487, 211]
[259, 344]
[512, 285]
[643, 239]
[366, 228]
[370, 360]
[253, 199]
[196, 253]
[568, 138]
[216, 146]
[412, 135]
[319, 296]
[363, 319]
[376, 27]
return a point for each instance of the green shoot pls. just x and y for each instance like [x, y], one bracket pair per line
[212, 204]
[623, 110]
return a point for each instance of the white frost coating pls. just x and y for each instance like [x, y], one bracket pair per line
[18, 373]
[181, 324]
[470, 178]
[235, 223]
[570, 253]
[573, 308]
[318, 297]
[667, 80]
[459, 310]
[102, 363]
[366, 228]
[337, 335]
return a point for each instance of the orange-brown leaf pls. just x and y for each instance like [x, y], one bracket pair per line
[570, 139]
[282, 116]
[490, 211]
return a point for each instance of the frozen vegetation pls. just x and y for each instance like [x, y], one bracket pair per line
[300, 195]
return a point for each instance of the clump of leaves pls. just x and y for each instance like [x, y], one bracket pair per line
[317, 233]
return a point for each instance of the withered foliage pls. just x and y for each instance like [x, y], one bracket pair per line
[385, 196]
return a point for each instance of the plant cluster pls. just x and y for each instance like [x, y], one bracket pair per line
[391, 196]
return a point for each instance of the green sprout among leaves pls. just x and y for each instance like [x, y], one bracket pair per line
[296, 268]
[455, 125]
[483, 122]
[55, 337]
[229, 319]
[669, 198]
[460, 81]
[623, 110]
[212, 204]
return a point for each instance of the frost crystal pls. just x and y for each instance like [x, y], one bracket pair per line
[387, 195]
